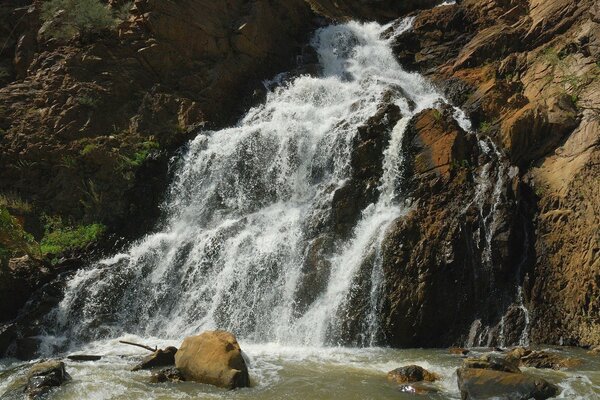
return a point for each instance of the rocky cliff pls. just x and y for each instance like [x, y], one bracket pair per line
[528, 75]
[87, 126]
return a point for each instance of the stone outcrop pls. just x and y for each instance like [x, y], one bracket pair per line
[214, 358]
[369, 10]
[527, 74]
[87, 125]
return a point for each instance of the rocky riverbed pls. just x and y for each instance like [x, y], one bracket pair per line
[278, 371]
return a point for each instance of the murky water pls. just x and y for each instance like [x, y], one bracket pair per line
[280, 372]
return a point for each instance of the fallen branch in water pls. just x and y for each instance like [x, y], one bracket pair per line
[139, 345]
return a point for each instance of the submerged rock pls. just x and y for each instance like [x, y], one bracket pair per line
[45, 376]
[419, 388]
[214, 358]
[411, 374]
[477, 384]
[167, 375]
[160, 358]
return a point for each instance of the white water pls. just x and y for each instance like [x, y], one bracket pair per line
[244, 207]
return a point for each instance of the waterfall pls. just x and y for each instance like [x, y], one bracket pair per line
[250, 202]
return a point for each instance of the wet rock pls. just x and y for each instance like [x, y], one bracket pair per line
[458, 351]
[367, 167]
[492, 362]
[167, 375]
[419, 388]
[17, 280]
[595, 351]
[477, 384]
[411, 374]
[160, 358]
[541, 359]
[45, 376]
[214, 358]
[83, 357]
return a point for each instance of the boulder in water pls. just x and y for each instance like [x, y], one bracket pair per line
[475, 383]
[160, 358]
[411, 374]
[45, 376]
[541, 359]
[167, 375]
[214, 358]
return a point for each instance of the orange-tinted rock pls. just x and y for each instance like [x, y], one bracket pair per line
[214, 358]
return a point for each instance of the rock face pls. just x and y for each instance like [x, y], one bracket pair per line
[477, 384]
[385, 10]
[87, 125]
[215, 358]
[527, 74]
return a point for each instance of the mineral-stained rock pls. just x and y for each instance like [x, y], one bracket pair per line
[476, 384]
[411, 374]
[213, 357]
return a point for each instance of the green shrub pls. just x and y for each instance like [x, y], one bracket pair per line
[60, 237]
[485, 127]
[67, 18]
[140, 156]
[14, 241]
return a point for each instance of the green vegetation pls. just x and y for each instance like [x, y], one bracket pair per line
[67, 18]
[59, 237]
[140, 156]
[437, 115]
[88, 148]
[87, 101]
[14, 241]
[485, 127]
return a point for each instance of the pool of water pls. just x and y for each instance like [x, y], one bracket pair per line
[281, 372]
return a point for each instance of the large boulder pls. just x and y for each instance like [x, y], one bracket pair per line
[382, 10]
[475, 384]
[214, 358]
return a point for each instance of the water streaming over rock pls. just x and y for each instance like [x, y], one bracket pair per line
[249, 206]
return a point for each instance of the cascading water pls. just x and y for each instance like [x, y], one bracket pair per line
[241, 212]
[241, 220]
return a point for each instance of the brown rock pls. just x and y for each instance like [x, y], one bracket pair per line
[385, 10]
[486, 384]
[213, 357]
[160, 358]
[492, 362]
[43, 377]
[411, 374]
